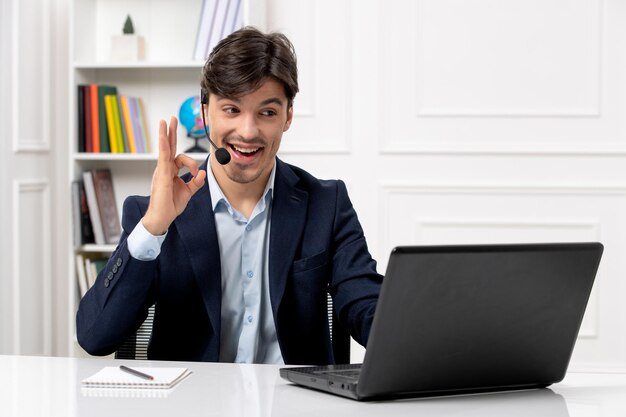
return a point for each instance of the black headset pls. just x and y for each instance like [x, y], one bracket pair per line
[221, 154]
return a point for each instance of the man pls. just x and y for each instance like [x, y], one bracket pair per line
[237, 258]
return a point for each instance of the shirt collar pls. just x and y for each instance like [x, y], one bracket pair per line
[218, 196]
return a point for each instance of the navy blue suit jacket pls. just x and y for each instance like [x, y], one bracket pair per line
[316, 246]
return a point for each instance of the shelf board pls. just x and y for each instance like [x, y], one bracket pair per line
[91, 247]
[105, 156]
[138, 65]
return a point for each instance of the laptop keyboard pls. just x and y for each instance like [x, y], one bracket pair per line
[350, 371]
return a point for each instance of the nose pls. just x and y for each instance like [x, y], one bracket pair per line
[248, 128]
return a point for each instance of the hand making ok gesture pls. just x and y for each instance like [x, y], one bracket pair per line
[170, 194]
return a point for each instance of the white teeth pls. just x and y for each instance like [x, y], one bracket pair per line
[245, 150]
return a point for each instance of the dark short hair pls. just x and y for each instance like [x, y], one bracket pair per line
[245, 59]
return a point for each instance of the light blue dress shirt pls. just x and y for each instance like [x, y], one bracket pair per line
[248, 332]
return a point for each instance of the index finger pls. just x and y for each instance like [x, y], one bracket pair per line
[164, 143]
[172, 135]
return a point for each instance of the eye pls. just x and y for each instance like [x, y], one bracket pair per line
[231, 110]
[269, 113]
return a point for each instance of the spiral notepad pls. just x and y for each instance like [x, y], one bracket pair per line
[114, 377]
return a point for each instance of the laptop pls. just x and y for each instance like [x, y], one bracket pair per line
[468, 319]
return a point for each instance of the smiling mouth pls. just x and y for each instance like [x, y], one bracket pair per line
[245, 152]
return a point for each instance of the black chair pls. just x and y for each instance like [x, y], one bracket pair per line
[136, 346]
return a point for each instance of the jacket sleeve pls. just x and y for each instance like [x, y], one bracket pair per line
[355, 284]
[118, 302]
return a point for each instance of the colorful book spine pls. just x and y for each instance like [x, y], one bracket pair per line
[118, 127]
[80, 102]
[94, 213]
[88, 129]
[217, 27]
[203, 36]
[128, 126]
[105, 197]
[110, 122]
[95, 118]
[105, 142]
[126, 145]
[136, 123]
[144, 126]
[110, 116]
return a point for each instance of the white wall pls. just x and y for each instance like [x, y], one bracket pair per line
[34, 81]
[450, 120]
[472, 121]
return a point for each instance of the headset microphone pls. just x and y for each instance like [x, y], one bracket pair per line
[221, 154]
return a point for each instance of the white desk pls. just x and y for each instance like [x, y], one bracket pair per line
[36, 386]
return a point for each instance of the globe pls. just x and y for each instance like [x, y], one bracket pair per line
[190, 117]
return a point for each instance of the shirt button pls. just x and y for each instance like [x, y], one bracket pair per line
[249, 319]
[151, 252]
[248, 228]
[250, 274]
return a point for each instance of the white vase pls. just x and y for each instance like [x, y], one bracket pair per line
[127, 48]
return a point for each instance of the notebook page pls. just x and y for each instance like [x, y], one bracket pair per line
[114, 377]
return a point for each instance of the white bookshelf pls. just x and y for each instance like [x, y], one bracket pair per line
[164, 79]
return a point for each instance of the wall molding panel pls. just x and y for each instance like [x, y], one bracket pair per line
[32, 329]
[30, 96]
[322, 110]
[497, 78]
[480, 212]
[462, 69]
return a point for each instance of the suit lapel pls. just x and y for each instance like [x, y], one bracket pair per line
[289, 210]
[196, 226]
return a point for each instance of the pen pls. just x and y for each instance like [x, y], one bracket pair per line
[136, 373]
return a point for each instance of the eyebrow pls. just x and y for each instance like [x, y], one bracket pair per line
[275, 100]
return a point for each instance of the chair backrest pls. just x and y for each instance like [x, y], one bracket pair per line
[339, 335]
[136, 346]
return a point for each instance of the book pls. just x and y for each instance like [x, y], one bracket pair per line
[88, 127]
[104, 90]
[119, 134]
[145, 132]
[114, 377]
[128, 126]
[122, 124]
[106, 205]
[88, 266]
[217, 28]
[81, 275]
[91, 279]
[80, 102]
[83, 231]
[97, 265]
[135, 123]
[234, 18]
[95, 118]
[110, 115]
[94, 213]
[204, 30]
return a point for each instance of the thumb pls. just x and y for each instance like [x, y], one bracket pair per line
[197, 182]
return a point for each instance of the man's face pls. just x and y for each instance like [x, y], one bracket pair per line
[250, 128]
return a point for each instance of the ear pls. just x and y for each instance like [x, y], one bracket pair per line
[204, 108]
[289, 119]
